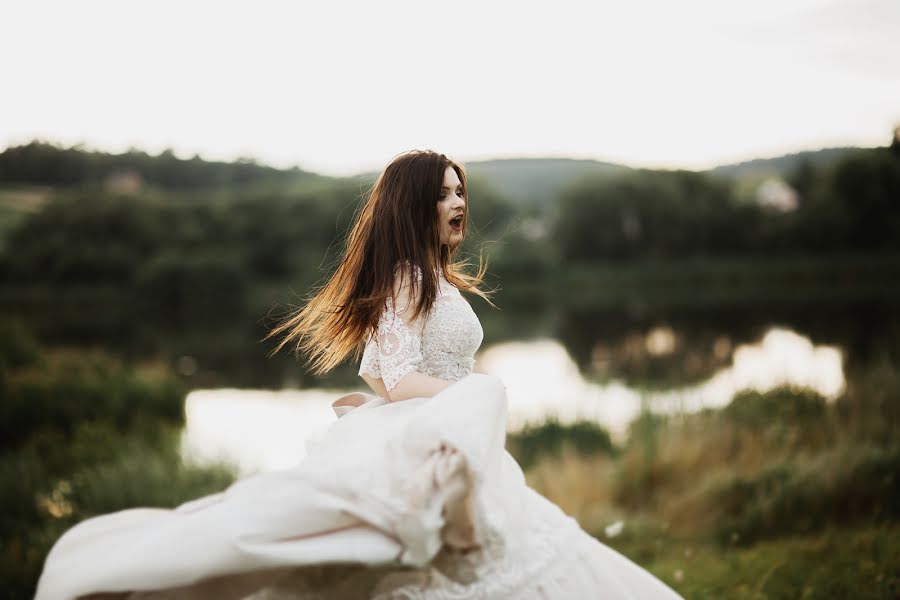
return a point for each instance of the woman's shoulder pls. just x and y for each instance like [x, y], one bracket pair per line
[404, 274]
[404, 268]
[405, 271]
[407, 277]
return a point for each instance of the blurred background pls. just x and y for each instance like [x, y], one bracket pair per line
[691, 212]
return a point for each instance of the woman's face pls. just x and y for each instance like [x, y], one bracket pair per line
[451, 209]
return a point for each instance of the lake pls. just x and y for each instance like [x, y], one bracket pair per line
[261, 430]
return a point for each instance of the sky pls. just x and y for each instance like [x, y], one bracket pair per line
[341, 87]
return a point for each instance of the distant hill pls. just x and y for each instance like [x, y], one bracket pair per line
[530, 183]
[533, 182]
[781, 165]
[44, 164]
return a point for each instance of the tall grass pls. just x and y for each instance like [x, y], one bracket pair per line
[754, 500]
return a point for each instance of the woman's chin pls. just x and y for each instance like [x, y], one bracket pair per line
[454, 240]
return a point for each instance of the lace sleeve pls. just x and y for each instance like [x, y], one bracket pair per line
[396, 349]
[369, 365]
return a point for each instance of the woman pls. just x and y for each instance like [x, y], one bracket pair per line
[410, 493]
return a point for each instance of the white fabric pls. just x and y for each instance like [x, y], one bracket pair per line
[416, 499]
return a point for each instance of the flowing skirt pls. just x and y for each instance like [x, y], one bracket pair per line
[416, 499]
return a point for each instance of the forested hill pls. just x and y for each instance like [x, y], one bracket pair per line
[781, 165]
[530, 181]
[40, 163]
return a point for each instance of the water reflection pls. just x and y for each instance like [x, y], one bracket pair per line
[263, 430]
[259, 430]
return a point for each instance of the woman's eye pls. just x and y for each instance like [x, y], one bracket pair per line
[458, 193]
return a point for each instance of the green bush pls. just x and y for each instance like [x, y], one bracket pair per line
[843, 485]
[18, 348]
[784, 404]
[86, 387]
[549, 437]
[54, 481]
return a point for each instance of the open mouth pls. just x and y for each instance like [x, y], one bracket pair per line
[456, 223]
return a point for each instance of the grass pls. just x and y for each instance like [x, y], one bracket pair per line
[859, 558]
[780, 495]
[859, 563]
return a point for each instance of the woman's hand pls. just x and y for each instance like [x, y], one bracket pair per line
[355, 401]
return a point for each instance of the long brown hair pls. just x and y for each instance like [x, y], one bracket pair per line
[397, 225]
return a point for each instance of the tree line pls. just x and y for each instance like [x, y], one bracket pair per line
[139, 271]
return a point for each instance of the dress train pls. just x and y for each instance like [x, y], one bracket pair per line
[415, 500]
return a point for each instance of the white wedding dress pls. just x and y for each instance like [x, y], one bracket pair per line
[415, 499]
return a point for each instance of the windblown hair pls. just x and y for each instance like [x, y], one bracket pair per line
[396, 226]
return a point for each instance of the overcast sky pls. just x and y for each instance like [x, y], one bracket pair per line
[339, 87]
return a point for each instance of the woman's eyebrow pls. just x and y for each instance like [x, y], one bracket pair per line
[444, 187]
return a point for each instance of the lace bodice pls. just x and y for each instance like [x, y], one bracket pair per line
[441, 344]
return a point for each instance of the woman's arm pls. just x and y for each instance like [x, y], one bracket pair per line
[398, 346]
[411, 385]
[377, 385]
[416, 385]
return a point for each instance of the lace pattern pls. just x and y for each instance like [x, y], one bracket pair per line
[441, 344]
[400, 345]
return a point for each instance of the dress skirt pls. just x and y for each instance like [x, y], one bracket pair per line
[416, 499]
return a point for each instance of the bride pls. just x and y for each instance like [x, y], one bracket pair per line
[410, 493]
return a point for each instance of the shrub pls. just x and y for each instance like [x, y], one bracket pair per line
[54, 481]
[585, 437]
[784, 404]
[18, 347]
[794, 496]
[82, 387]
